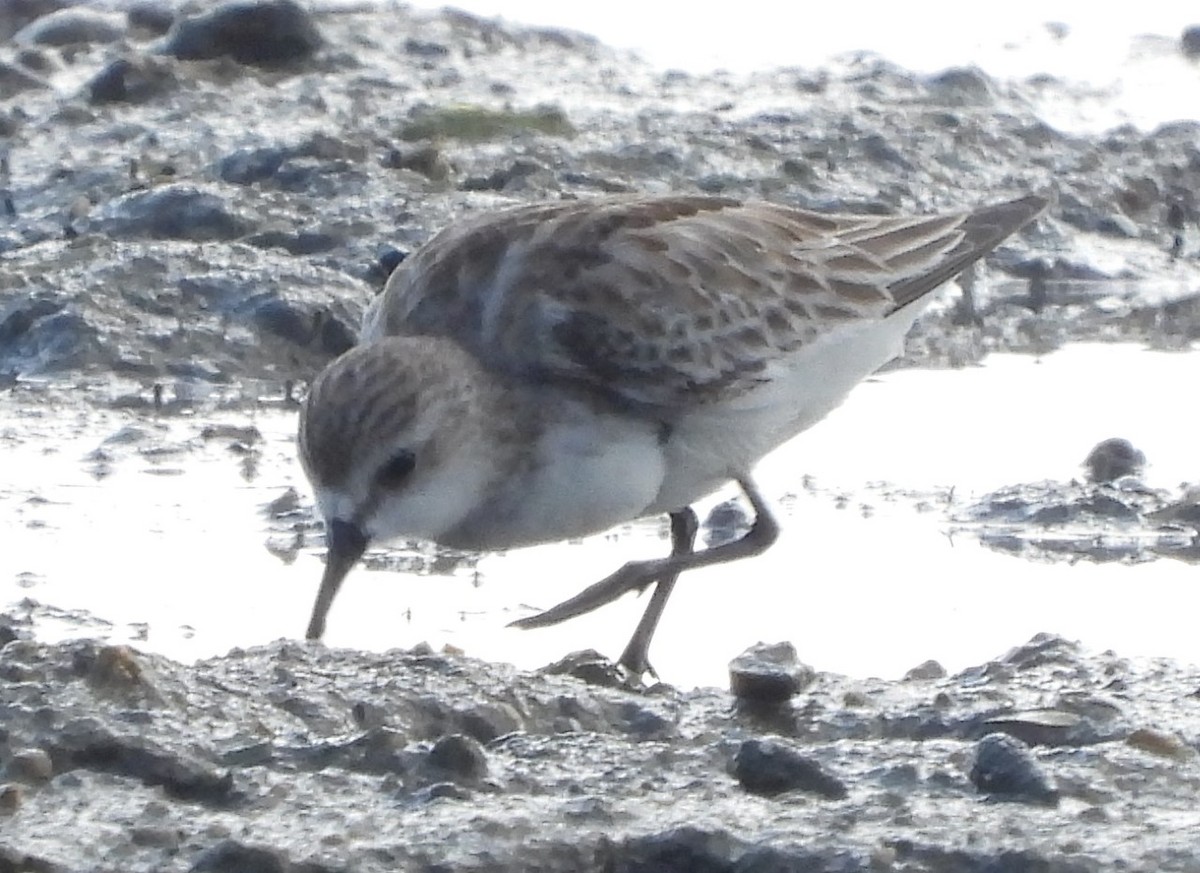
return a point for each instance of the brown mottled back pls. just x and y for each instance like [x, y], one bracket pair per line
[667, 301]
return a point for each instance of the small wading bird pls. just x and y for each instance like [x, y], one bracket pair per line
[550, 371]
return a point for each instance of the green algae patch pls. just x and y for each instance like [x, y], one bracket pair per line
[480, 124]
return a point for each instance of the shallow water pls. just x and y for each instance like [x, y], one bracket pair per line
[866, 579]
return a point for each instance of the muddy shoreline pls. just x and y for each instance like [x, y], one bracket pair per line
[297, 757]
[191, 223]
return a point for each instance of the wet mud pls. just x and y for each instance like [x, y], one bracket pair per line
[293, 757]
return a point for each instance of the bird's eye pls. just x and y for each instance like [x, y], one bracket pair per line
[396, 469]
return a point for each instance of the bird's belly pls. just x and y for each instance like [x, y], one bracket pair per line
[716, 443]
[587, 474]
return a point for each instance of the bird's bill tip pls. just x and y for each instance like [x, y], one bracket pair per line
[347, 543]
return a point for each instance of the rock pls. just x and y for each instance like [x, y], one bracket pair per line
[1118, 225]
[643, 723]
[1165, 745]
[88, 743]
[1189, 41]
[1112, 459]
[312, 328]
[11, 797]
[283, 505]
[263, 33]
[424, 49]
[486, 722]
[588, 666]
[246, 434]
[424, 158]
[504, 178]
[296, 243]
[38, 336]
[30, 765]
[769, 768]
[881, 151]
[8, 632]
[459, 756]
[230, 856]
[925, 671]
[247, 166]
[768, 674]
[1040, 727]
[388, 260]
[75, 25]
[151, 16]
[131, 80]
[962, 86]
[726, 522]
[1042, 649]
[1005, 769]
[174, 211]
[683, 850]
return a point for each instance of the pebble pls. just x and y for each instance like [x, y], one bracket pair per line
[588, 666]
[768, 674]
[131, 80]
[231, 856]
[1189, 41]
[1113, 458]
[11, 797]
[1039, 727]
[768, 767]
[1161, 743]
[726, 522]
[172, 211]
[925, 672]
[31, 766]
[459, 756]
[1004, 768]
[256, 32]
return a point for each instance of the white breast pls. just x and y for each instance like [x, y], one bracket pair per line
[586, 473]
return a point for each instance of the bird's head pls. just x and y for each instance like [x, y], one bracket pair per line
[394, 439]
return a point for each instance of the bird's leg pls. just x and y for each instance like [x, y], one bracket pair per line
[635, 659]
[636, 575]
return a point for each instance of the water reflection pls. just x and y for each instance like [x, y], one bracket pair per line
[871, 576]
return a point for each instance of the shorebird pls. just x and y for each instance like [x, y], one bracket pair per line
[550, 371]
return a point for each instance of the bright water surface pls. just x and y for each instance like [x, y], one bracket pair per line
[171, 550]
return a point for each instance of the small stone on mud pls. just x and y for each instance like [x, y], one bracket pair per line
[258, 32]
[769, 768]
[230, 856]
[1189, 42]
[1112, 459]
[1004, 768]
[726, 522]
[459, 756]
[1038, 727]
[10, 798]
[768, 674]
[588, 666]
[32, 766]
[245, 434]
[115, 667]
[1165, 745]
[925, 671]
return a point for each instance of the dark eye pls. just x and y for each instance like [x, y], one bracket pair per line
[396, 469]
